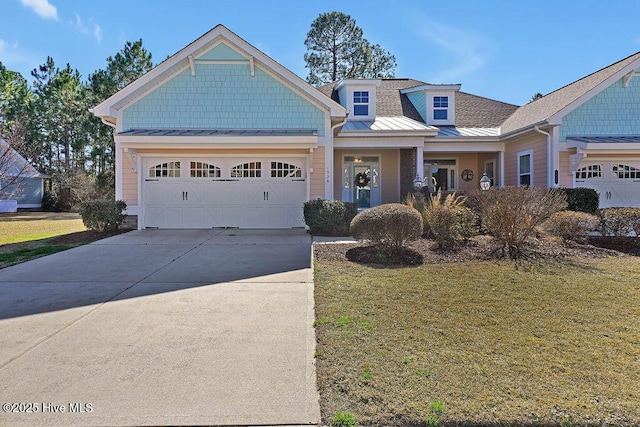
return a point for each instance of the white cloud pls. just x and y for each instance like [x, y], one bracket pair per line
[466, 52]
[42, 8]
[97, 32]
[17, 59]
[88, 28]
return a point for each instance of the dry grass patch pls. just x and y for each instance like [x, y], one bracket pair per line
[493, 343]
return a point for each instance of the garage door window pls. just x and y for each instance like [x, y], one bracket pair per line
[626, 172]
[204, 170]
[165, 170]
[588, 172]
[285, 170]
[247, 170]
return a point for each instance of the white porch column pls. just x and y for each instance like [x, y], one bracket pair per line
[420, 162]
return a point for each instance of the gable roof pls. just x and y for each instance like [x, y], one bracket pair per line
[472, 111]
[566, 99]
[181, 60]
[13, 164]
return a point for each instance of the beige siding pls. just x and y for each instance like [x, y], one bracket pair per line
[532, 141]
[129, 181]
[482, 158]
[389, 172]
[317, 176]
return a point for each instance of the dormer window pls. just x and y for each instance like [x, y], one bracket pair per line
[361, 103]
[440, 107]
[358, 96]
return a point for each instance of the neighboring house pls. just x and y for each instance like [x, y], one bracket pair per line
[21, 185]
[221, 135]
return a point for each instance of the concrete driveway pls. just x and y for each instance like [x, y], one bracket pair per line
[158, 327]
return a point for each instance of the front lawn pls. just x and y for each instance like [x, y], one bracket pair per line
[28, 226]
[486, 342]
[28, 235]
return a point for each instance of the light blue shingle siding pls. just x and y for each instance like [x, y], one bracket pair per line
[419, 100]
[614, 111]
[222, 51]
[223, 97]
[27, 191]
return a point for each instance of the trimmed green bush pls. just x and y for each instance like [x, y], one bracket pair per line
[329, 217]
[571, 225]
[103, 215]
[391, 226]
[619, 221]
[50, 202]
[582, 199]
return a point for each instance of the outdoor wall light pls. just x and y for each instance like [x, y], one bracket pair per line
[417, 182]
[485, 182]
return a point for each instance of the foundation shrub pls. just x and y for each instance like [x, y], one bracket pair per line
[329, 217]
[390, 226]
[570, 225]
[448, 221]
[511, 214]
[619, 222]
[103, 215]
[582, 199]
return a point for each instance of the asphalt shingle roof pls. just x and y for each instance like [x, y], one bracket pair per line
[471, 110]
[545, 107]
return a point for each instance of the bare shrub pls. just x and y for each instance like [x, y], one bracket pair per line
[571, 225]
[619, 221]
[391, 226]
[510, 214]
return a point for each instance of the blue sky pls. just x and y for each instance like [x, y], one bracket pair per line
[502, 49]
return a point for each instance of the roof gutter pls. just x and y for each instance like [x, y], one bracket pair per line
[550, 176]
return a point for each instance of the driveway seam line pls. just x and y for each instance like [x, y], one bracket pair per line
[73, 322]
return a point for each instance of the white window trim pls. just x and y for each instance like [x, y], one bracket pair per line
[522, 154]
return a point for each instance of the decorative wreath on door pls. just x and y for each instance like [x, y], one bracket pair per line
[362, 180]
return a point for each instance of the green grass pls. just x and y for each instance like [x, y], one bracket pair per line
[553, 343]
[29, 226]
[22, 255]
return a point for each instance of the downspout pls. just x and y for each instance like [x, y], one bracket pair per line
[329, 167]
[550, 172]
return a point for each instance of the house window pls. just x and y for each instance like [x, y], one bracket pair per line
[285, 170]
[588, 172]
[626, 172]
[165, 170]
[440, 107]
[204, 170]
[525, 174]
[361, 103]
[247, 170]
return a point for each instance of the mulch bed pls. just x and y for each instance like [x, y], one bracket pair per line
[480, 248]
[84, 236]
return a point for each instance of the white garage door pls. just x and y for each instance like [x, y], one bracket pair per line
[224, 192]
[617, 182]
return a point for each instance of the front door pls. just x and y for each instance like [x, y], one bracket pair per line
[361, 180]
